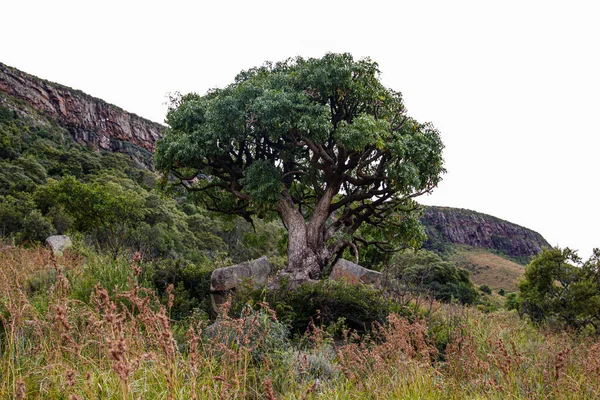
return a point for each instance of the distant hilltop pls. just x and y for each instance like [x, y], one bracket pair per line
[90, 121]
[445, 225]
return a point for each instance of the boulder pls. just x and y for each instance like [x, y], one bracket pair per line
[59, 243]
[228, 278]
[347, 271]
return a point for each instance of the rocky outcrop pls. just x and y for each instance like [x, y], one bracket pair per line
[458, 226]
[90, 120]
[228, 278]
[352, 273]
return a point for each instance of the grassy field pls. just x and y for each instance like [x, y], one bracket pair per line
[488, 268]
[83, 327]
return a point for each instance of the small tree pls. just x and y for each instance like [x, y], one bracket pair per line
[319, 142]
[423, 273]
[561, 289]
[107, 209]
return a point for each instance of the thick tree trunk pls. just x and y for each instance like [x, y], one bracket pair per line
[307, 248]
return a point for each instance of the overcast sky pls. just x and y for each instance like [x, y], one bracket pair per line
[513, 86]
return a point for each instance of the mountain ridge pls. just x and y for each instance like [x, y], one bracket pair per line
[467, 227]
[90, 120]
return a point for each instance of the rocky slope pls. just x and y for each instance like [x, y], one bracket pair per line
[464, 227]
[90, 120]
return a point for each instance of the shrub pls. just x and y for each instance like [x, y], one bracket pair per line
[325, 303]
[256, 330]
[190, 281]
[561, 290]
[36, 228]
[413, 274]
[485, 289]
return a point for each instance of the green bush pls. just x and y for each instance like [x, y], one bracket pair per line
[561, 290]
[413, 274]
[485, 289]
[190, 281]
[255, 330]
[36, 228]
[324, 303]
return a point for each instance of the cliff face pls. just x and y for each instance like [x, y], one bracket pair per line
[458, 226]
[90, 120]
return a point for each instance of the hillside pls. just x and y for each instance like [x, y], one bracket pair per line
[488, 268]
[494, 250]
[53, 180]
[91, 121]
[445, 225]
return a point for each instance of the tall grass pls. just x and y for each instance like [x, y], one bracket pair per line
[83, 327]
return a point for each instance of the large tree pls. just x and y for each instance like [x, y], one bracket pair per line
[320, 142]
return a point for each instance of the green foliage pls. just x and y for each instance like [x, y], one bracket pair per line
[36, 227]
[485, 289]
[325, 303]
[61, 220]
[512, 302]
[561, 290]
[422, 272]
[94, 205]
[303, 131]
[257, 327]
[190, 281]
[262, 181]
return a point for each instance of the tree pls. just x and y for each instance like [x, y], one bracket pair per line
[107, 209]
[320, 142]
[560, 289]
[412, 274]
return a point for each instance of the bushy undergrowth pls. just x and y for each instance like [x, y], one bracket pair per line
[328, 303]
[122, 342]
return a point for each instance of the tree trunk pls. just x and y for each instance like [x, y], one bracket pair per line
[307, 250]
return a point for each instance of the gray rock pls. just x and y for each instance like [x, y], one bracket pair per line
[59, 243]
[223, 279]
[347, 271]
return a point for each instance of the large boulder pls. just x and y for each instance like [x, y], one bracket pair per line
[59, 243]
[228, 278]
[347, 271]
[224, 280]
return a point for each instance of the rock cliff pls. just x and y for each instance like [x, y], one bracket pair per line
[458, 226]
[90, 120]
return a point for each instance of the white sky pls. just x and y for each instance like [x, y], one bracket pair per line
[513, 86]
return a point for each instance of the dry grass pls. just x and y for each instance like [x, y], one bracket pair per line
[489, 269]
[122, 344]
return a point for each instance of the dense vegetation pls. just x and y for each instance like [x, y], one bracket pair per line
[561, 291]
[127, 312]
[49, 184]
[86, 326]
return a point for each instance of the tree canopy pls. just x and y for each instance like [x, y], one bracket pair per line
[412, 274]
[320, 142]
[562, 290]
